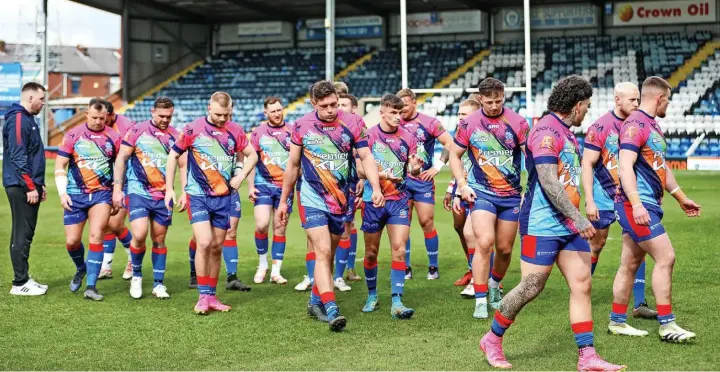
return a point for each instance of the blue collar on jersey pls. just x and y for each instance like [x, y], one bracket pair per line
[493, 117]
[646, 114]
[560, 120]
[396, 130]
[616, 117]
[92, 130]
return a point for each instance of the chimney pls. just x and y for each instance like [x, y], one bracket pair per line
[82, 49]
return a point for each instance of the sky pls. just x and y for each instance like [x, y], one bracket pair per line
[69, 23]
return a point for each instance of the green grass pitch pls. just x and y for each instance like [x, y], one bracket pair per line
[268, 329]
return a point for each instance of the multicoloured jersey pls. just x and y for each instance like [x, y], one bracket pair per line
[426, 130]
[146, 166]
[467, 164]
[121, 125]
[495, 147]
[550, 142]
[392, 152]
[92, 156]
[211, 160]
[327, 160]
[603, 137]
[641, 133]
[272, 145]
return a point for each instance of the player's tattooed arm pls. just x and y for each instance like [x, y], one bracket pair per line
[444, 156]
[529, 288]
[548, 177]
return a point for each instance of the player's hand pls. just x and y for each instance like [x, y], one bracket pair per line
[456, 207]
[33, 197]
[43, 197]
[429, 174]
[585, 228]
[691, 208]
[114, 210]
[117, 199]
[236, 181]
[378, 199]
[252, 194]
[592, 212]
[468, 194]
[415, 164]
[66, 202]
[170, 198]
[281, 215]
[359, 188]
[447, 201]
[358, 203]
[641, 215]
[182, 203]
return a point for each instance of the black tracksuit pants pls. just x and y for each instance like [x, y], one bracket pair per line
[24, 220]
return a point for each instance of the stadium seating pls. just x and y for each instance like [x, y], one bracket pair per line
[249, 76]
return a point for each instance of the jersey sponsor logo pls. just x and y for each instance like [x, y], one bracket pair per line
[231, 143]
[547, 142]
[94, 163]
[493, 126]
[570, 176]
[658, 161]
[590, 137]
[499, 158]
[216, 163]
[154, 163]
[203, 143]
[630, 133]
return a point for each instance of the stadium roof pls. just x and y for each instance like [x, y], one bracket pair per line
[67, 59]
[227, 11]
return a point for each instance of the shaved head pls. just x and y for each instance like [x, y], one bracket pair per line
[627, 99]
[222, 99]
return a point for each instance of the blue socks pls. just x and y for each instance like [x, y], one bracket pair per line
[397, 279]
[230, 255]
[278, 248]
[618, 313]
[261, 243]
[407, 252]
[137, 254]
[94, 261]
[159, 259]
[192, 250]
[432, 245]
[342, 255]
[310, 266]
[77, 254]
[500, 324]
[639, 285]
[371, 271]
[583, 334]
[352, 255]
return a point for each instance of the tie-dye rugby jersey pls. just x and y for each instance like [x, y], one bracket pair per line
[392, 153]
[550, 142]
[211, 160]
[495, 147]
[272, 145]
[327, 160]
[121, 125]
[147, 164]
[92, 156]
[641, 133]
[426, 130]
[603, 137]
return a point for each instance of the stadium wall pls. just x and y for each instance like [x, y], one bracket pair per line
[156, 50]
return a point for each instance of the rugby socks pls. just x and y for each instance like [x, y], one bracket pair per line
[583, 334]
[352, 255]
[371, 271]
[639, 285]
[278, 252]
[481, 291]
[407, 252]
[342, 253]
[432, 246]
[470, 255]
[315, 296]
[203, 285]
[95, 256]
[212, 285]
[665, 314]
[137, 254]
[618, 314]
[77, 253]
[594, 262]
[125, 239]
[261, 246]
[192, 250]
[108, 251]
[492, 261]
[397, 279]
[230, 256]
[328, 301]
[159, 259]
[500, 324]
[495, 279]
[310, 266]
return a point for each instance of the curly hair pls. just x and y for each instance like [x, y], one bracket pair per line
[567, 93]
[322, 89]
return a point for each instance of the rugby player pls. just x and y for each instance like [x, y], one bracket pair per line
[551, 226]
[88, 152]
[644, 176]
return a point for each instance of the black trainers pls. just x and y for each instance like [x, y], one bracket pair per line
[193, 282]
[408, 272]
[317, 312]
[433, 273]
[234, 284]
[76, 281]
[92, 294]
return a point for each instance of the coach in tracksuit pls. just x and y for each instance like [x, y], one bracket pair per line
[24, 181]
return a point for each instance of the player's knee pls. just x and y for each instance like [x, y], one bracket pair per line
[504, 249]
[73, 241]
[484, 246]
[667, 261]
[598, 244]
[533, 285]
[96, 237]
[581, 285]
[261, 228]
[231, 235]
[371, 256]
[427, 224]
[137, 240]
